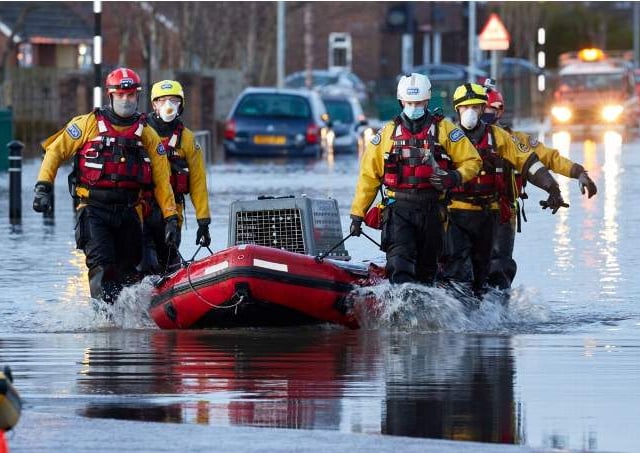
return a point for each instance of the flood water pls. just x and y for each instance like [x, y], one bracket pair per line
[558, 368]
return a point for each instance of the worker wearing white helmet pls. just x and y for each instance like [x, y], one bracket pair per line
[418, 157]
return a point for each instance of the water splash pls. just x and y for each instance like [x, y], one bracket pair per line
[411, 307]
[130, 311]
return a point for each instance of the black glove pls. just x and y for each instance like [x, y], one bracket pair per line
[555, 201]
[203, 237]
[447, 180]
[585, 182]
[43, 199]
[171, 231]
[356, 227]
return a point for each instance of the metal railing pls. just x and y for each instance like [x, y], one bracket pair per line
[204, 139]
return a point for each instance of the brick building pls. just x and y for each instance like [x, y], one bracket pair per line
[376, 30]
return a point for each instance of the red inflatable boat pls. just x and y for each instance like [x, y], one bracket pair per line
[252, 285]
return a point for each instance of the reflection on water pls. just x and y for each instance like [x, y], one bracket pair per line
[562, 142]
[425, 385]
[610, 272]
[451, 387]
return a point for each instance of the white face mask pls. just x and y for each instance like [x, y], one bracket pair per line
[169, 111]
[469, 119]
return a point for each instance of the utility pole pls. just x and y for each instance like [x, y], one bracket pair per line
[308, 44]
[281, 43]
[97, 54]
[407, 40]
[471, 36]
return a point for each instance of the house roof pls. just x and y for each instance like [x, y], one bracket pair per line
[45, 23]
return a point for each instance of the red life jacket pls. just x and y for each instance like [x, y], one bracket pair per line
[490, 181]
[412, 157]
[114, 159]
[179, 167]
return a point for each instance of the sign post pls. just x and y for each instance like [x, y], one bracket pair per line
[494, 37]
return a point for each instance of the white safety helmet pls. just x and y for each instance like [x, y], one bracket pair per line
[414, 87]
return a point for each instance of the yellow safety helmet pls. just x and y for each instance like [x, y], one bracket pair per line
[167, 88]
[469, 94]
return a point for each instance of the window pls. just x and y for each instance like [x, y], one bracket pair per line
[339, 111]
[274, 105]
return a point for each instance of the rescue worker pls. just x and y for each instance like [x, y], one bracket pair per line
[481, 204]
[188, 176]
[418, 157]
[116, 157]
[503, 267]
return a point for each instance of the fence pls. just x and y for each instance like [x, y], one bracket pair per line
[43, 100]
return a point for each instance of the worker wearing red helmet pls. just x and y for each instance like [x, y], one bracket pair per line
[117, 156]
[503, 267]
[481, 204]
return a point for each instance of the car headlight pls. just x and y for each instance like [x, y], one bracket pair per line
[562, 114]
[611, 113]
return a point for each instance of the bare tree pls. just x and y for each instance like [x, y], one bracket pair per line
[522, 19]
[11, 45]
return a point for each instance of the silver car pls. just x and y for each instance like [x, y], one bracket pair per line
[330, 82]
[347, 122]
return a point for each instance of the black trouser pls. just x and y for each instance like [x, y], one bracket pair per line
[470, 238]
[412, 235]
[110, 236]
[157, 257]
[503, 267]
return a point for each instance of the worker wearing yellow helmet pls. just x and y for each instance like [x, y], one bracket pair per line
[481, 204]
[417, 157]
[188, 176]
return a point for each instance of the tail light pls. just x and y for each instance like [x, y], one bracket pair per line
[313, 134]
[230, 129]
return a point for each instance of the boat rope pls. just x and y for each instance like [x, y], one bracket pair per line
[203, 299]
[322, 255]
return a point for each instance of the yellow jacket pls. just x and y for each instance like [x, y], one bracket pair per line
[514, 151]
[189, 150]
[465, 158]
[65, 143]
[550, 157]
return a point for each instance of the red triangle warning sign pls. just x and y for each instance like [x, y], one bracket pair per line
[494, 35]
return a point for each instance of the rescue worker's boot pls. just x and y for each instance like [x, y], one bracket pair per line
[103, 284]
[400, 270]
[502, 273]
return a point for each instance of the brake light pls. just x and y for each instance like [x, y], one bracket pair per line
[230, 129]
[313, 133]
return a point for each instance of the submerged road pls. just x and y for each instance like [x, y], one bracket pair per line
[558, 368]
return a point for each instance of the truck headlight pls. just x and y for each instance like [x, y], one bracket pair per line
[562, 114]
[611, 113]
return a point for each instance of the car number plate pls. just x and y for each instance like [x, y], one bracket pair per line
[269, 139]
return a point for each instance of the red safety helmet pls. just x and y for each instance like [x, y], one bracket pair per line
[494, 99]
[123, 80]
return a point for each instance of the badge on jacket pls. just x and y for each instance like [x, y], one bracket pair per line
[456, 135]
[74, 131]
[523, 147]
[533, 142]
[375, 140]
[161, 151]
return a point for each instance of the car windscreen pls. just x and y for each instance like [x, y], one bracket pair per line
[317, 80]
[592, 82]
[270, 105]
[339, 111]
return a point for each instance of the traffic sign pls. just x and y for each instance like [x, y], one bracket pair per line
[494, 35]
